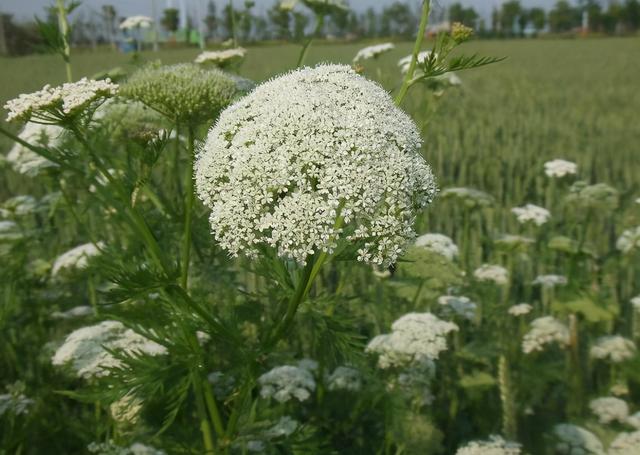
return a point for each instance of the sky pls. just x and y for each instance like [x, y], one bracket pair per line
[26, 9]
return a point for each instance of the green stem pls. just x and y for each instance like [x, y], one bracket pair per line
[212, 406]
[64, 31]
[189, 199]
[406, 83]
[307, 44]
[205, 427]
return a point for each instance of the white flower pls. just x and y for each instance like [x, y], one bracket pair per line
[610, 409]
[560, 168]
[126, 410]
[447, 78]
[310, 151]
[374, 51]
[14, 403]
[286, 382]
[495, 273]
[76, 258]
[629, 240]
[323, 7]
[545, 330]
[286, 426]
[20, 205]
[550, 281]
[345, 378]
[438, 243]
[520, 309]
[136, 22]
[85, 350]
[572, 439]
[614, 348]
[625, 444]
[26, 161]
[495, 445]
[530, 212]
[415, 337]
[634, 420]
[638, 201]
[52, 103]
[459, 305]
[75, 312]
[110, 448]
[635, 303]
[221, 58]
[9, 231]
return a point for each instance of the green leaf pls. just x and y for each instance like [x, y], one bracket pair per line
[477, 379]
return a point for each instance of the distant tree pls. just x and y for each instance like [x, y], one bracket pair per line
[246, 20]
[632, 14]
[564, 17]
[339, 20]
[18, 39]
[495, 20]
[509, 12]
[370, 22]
[465, 15]
[398, 19]
[300, 22]
[537, 18]
[109, 16]
[261, 28]
[231, 18]
[280, 21]
[211, 20]
[170, 19]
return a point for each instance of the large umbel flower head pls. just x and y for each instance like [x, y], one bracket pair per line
[310, 160]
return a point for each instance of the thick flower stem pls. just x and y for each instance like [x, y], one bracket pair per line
[406, 83]
[509, 421]
[205, 427]
[64, 31]
[307, 44]
[189, 199]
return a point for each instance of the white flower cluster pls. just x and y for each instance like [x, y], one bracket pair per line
[488, 272]
[560, 168]
[550, 281]
[221, 58]
[345, 378]
[374, 51]
[635, 303]
[545, 330]
[286, 382]
[15, 404]
[572, 439]
[84, 349]
[75, 312]
[10, 231]
[68, 99]
[126, 410]
[459, 305]
[495, 445]
[76, 258]
[520, 309]
[110, 448]
[414, 338]
[311, 158]
[530, 212]
[27, 162]
[405, 62]
[610, 409]
[448, 78]
[625, 444]
[629, 240]
[136, 22]
[438, 243]
[614, 348]
[634, 420]
[20, 205]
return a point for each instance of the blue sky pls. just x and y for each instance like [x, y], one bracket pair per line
[24, 9]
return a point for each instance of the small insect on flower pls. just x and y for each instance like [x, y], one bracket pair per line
[374, 51]
[438, 243]
[312, 159]
[286, 382]
[530, 212]
[614, 348]
[550, 281]
[625, 444]
[221, 59]
[560, 168]
[610, 409]
[629, 240]
[545, 330]
[489, 272]
[495, 445]
[76, 258]
[520, 309]
[571, 439]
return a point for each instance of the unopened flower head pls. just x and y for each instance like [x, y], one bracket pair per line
[136, 22]
[374, 51]
[286, 382]
[53, 104]
[614, 348]
[495, 273]
[572, 439]
[458, 305]
[625, 444]
[520, 309]
[531, 213]
[415, 337]
[460, 32]
[222, 58]
[495, 445]
[312, 159]
[629, 241]
[470, 197]
[185, 93]
[598, 195]
[610, 409]
[550, 281]
[76, 258]
[560, 168]
[545, 330]
[84, 349]
[24, 160]
[438, 243]
[345, 378]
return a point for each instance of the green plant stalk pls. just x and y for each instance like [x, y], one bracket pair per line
[189, 199]
[205, 427]
[574, 371]
[406, 83]
[64, 31]
[307, 44]
[509, 422]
